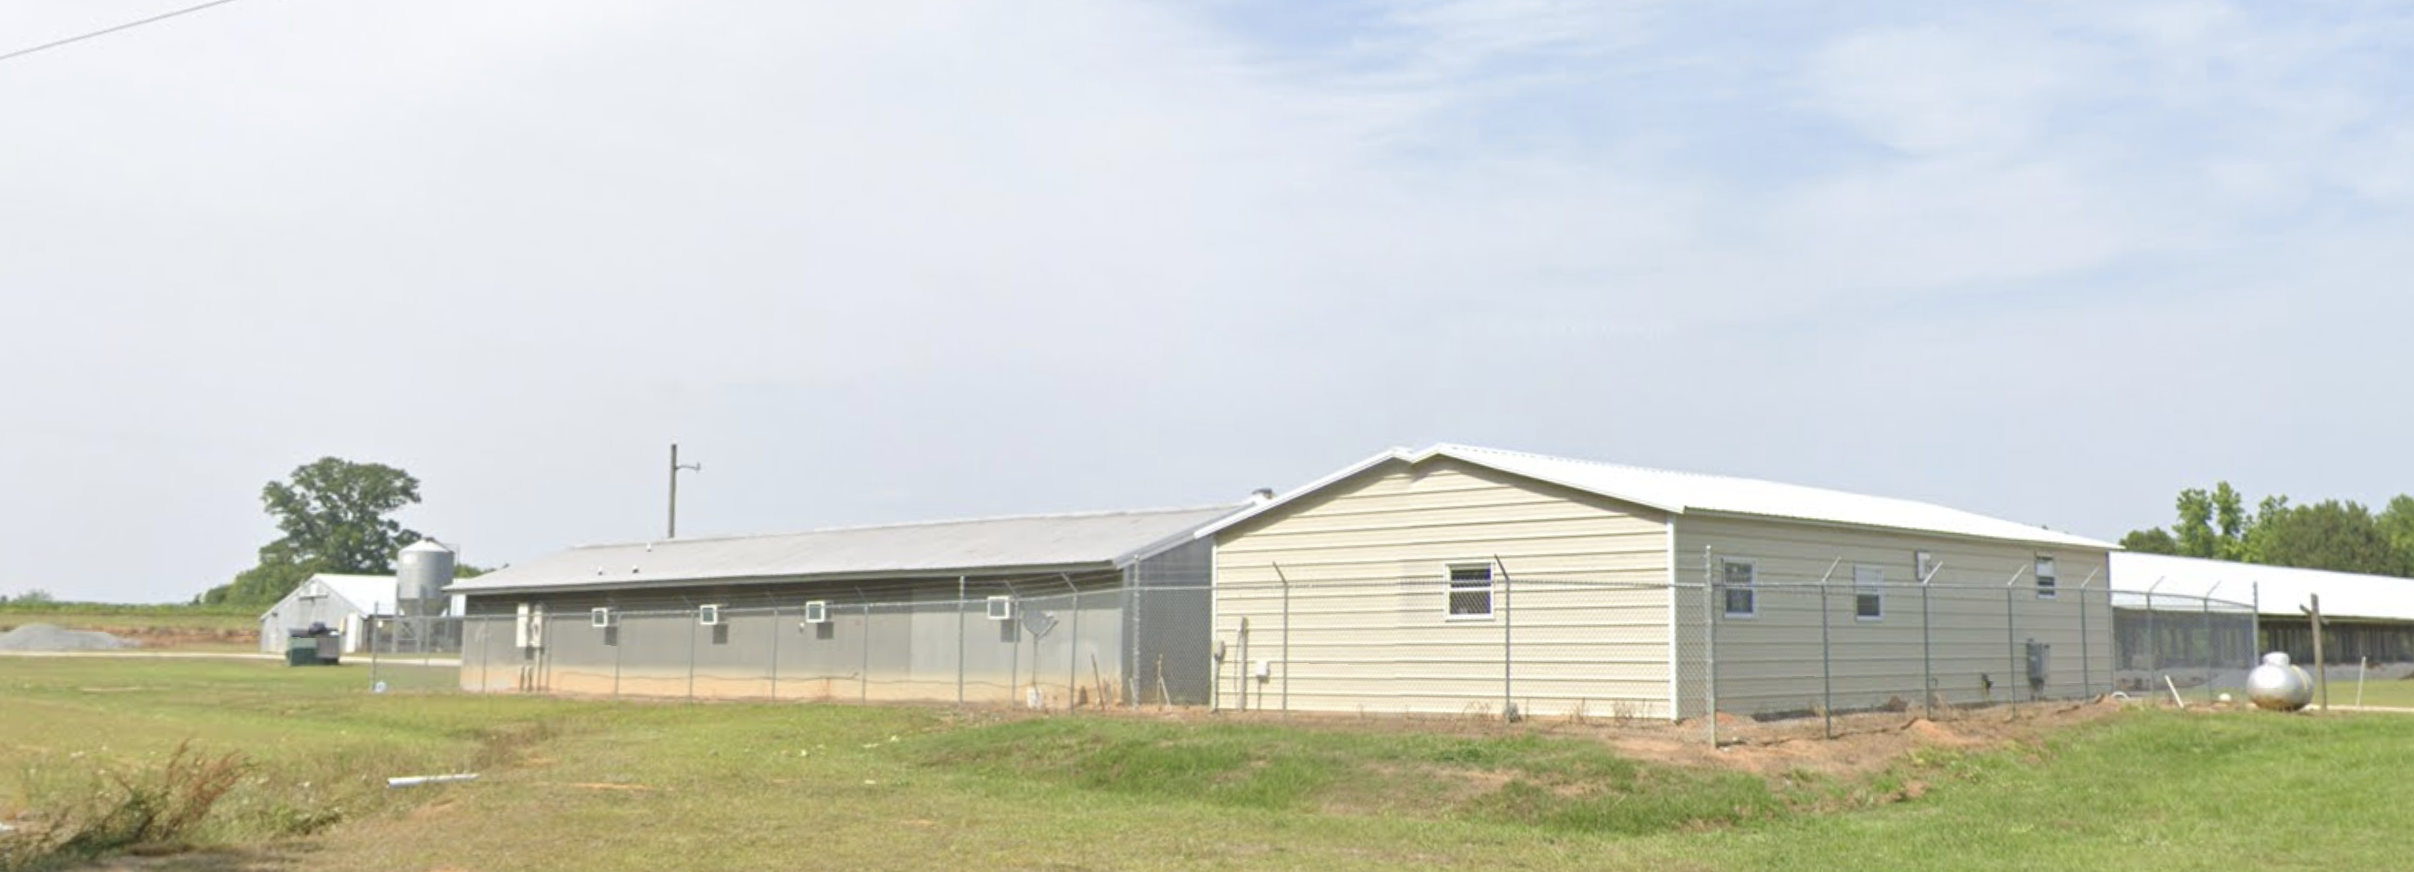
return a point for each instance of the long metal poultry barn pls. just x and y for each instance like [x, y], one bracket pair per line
[1046, 610]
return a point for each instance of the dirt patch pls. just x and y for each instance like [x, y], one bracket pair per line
[1863, 743]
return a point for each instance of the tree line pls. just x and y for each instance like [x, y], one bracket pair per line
[2338, 535]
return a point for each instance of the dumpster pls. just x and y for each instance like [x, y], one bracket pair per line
[313, 646]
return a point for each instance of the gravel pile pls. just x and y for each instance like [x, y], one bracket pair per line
[49, 637]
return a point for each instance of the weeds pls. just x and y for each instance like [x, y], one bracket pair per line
[129, 809]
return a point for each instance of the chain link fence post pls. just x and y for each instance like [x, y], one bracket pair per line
[1827, 670]
[1710, 597]
[1508, 648]
[2086, 662]
[1927, 656]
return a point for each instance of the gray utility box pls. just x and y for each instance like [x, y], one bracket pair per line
[2040, 664]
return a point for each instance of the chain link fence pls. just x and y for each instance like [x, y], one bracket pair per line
[1761, 645]
[1059, 651]
[412, 653]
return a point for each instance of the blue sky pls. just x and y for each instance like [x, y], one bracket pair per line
[923, 259]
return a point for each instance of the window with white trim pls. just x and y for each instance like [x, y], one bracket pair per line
[1471, 592]
[1869, 593]
[1741, 600]
[2047, 582]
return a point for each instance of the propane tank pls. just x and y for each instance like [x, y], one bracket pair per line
[2278, 685]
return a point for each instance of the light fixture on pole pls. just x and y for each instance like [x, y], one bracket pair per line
[676, 466]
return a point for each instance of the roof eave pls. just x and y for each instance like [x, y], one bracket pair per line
[707, 581]
[2071, 541]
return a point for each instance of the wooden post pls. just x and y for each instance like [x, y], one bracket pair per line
[2321, 682]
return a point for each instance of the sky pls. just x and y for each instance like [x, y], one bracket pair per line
[924, 259]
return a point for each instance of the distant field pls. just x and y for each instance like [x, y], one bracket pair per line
[170, 628]
[637, 786]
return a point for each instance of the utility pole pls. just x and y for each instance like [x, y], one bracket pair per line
[675, 468]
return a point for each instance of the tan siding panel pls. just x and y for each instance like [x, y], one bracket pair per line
[1369, 628]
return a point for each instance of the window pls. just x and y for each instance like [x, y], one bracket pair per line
[1470, 591]
[1001, 608]
[709, 615]
[1869, 593]
[1740, 576]
[817, 612]
[2045, 578]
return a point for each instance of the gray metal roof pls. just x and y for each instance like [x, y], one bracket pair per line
[1033, 543]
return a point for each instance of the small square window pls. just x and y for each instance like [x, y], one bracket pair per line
[1471, 591]
[817, 612]
[1869, 593]
[1741, 599]
[1001, 608]
[2047, 583]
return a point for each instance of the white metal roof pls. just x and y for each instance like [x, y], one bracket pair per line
[2276, 590]
[368, 594]
[1687, 493]
[1031, 542]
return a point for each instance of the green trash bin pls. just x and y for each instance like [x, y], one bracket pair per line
[302, 651]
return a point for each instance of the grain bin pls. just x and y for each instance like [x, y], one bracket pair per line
[420, 575]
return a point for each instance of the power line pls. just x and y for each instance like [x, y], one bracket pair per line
[106, 31]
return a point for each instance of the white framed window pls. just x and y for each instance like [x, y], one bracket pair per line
[1470, 592]
[1001, 608]
[817, 612]
[600, 617]
[2047, 583]
[709, 615]
[1739, 577]
[1869, 593]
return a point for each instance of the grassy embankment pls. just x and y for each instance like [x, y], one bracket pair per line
[608, 786]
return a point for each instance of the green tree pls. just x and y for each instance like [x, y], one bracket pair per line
[2152, 540]
[334, 517]
[2194, 531]
[2332, 534]
[2397, 523]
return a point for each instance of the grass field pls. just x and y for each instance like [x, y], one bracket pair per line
[611, 786]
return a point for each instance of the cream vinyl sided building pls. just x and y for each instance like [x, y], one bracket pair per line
[1461, 580]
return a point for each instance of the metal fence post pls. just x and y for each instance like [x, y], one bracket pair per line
[1827, 671]
[1286, 638]
[2153, 657]
[2011, 632]
[1508, 647]
[693, 621]
[863, 673]
[1710, 642]
[372, 622]
[776, 632]
[1073, 655]
[1927, 656]
[2086, 662]
[2212, 644]
[622, 627]
[2254, 626]
[961, 604]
